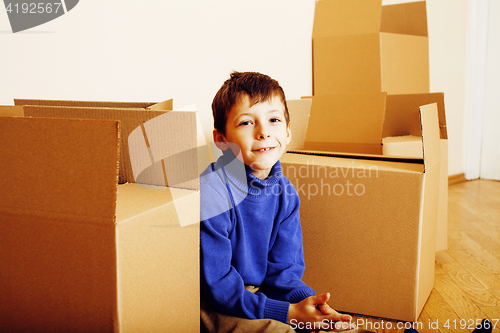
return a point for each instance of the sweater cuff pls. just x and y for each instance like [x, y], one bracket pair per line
[277, 310]
[301, 294]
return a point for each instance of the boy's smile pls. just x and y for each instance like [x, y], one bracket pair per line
[259, 134]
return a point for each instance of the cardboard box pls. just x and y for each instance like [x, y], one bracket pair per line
[83, 254]
[368, 221]
[360, 46]
[401, 118]
[132, 140]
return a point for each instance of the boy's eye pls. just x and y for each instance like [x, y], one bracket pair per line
[244, 123]
[275, 120]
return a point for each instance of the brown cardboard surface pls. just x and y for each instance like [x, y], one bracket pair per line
[405, 18]
[361, 46]
[57, 228]
[299, 111]
[402, 116]
[60, 161]
[369, 227]
[407, 145]
[432, 157]
[347, 64]
[411, 146]
[403, 57]
[351, 119]
[11, 111]
[131, 121]
[178, 158]
[166, 105]
[158, 260]
[442, 224]
[71, 262]
[368, 63]
[346, 17]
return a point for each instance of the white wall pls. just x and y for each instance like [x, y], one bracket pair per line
[155, 50]
[184, 49]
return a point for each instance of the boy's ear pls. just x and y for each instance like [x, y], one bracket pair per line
[288, 133]
[220, 140]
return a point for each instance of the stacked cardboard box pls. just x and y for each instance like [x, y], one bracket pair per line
[360, 46]
[369, 220]
[81, 251]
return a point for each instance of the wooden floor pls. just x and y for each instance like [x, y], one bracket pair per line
[467, 277]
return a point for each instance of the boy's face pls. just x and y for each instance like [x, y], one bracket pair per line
[260, 133]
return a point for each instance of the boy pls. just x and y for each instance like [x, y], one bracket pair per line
[251, 241]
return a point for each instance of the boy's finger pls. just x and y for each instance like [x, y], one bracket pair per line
[335, 316]
[326, 309]
[321, 299]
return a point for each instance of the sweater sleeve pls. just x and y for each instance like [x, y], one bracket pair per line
[220, 281]
[286, 258]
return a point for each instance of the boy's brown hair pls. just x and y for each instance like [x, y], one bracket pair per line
[259, 88]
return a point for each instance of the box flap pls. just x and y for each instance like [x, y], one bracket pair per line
[430, 135]
[162, 106]
[299, 111]
[346, 17]
[59, 167]
[172, 146]
[130, 119]
[428, 221]
[99, 104]
[340, 121]
[406, 18]
[402, 116]
[11, 111]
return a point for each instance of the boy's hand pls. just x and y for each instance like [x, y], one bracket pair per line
[315, 313]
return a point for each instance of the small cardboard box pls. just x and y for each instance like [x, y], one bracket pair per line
[360, 46]
[368, 221]
[81, 253]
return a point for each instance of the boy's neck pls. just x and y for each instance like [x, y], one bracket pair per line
[261, 174]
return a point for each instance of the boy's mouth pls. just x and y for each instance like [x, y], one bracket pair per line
[263, 150]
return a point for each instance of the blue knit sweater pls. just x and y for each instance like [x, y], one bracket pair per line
[250, 235]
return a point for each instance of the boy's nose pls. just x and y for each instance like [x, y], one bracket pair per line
[263, 133]
[263, 136]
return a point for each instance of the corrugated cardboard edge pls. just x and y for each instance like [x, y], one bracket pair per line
[432, 156]
[100, 104]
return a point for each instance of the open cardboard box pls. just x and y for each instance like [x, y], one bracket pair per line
[368, 221]
[360, 46]
[131, 136]
[360, 123]
[81, 253]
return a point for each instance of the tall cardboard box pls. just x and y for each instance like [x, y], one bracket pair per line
[360, 46]
[368, 221]
[81, 253]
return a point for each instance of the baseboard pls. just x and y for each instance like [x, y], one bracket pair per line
[456, 179]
